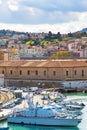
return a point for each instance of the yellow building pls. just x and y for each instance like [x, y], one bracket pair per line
[6, 57]
[44, 69]
[3, 56]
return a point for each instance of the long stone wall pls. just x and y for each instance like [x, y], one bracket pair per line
[44, 70]
[33, 83]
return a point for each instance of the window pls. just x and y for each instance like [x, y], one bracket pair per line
[54, 73]
[75, 72]
[28, 72]
[82, 73]
[11, 72]
[44, 73]
[3, 72]
[67, 73]
[20, 72]
[36, 72]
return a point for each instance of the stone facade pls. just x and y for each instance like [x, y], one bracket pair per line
[58, 70]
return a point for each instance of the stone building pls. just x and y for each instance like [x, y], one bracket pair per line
[58, 70]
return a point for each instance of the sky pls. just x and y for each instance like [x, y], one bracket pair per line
[43, 15]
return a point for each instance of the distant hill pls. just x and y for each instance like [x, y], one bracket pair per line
[10, 33]
[84, 30]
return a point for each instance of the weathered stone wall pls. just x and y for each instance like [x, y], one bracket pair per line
[44, 70]
[33, 83]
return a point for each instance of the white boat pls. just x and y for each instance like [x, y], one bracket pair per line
[74, 106]
[3, 117]
[44, 121]
[42, 115]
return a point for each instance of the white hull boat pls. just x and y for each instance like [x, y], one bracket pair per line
[42, 115]
[44, 121]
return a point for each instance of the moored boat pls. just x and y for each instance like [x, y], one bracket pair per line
[42, 115]
[4, 128]
[3, 117]
[44, 121]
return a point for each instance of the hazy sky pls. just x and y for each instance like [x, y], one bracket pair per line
[43, 15]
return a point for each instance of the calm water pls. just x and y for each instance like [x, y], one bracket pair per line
[82, 126]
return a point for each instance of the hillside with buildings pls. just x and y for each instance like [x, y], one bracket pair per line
[48, 57]
[20, 45]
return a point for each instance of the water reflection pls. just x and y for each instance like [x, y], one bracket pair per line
[27, 127]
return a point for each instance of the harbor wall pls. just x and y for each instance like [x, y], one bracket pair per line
[63, 86]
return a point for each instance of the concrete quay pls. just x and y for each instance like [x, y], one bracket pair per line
[6, 96]
[62, 86]
[83, 90]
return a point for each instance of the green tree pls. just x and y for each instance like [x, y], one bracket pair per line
[50, 34]
[59, 36]
[31, 42]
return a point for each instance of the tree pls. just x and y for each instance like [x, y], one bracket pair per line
[61, 54]
[50, 34]
[64, 54]
[59, 36]
[53, 56]
[56, 40]
[31, 42]
[70, 34]
[45, 43]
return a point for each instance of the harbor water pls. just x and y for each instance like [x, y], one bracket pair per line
[80, 97]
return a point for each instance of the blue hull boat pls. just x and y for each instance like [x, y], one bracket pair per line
[4, 128]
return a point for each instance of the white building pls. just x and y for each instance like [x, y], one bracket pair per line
[83, 53]
[33, 51]
[73, 46]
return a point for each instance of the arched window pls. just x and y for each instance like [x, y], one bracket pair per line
[20, 72]
[67, 73]
[75, 72]
[36, 72]
[54, 73]
[82, 73]
[3, 72]
[44, 73]
[10, 72]
[28, 72]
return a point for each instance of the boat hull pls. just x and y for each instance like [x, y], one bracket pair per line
[3, 118]
[4, 128]
[44, 121]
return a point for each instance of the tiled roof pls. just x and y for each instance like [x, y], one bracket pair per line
[12, 63]
[74, 63]
[44, 63]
